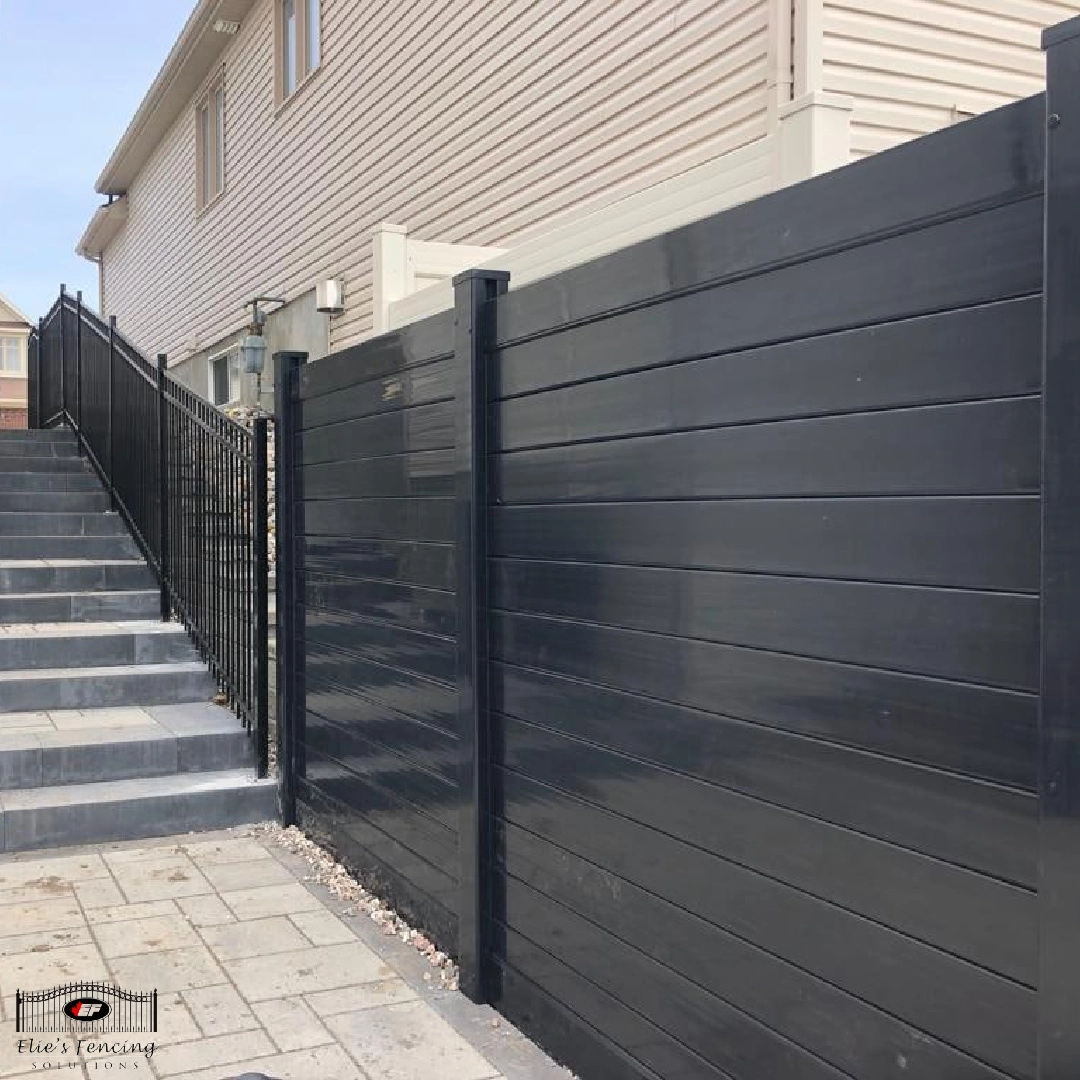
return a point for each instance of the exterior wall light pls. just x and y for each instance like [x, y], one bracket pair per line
[253, 346]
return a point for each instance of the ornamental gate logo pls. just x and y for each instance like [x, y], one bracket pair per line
[85, 1008]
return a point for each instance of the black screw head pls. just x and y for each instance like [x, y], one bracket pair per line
[1053, 121]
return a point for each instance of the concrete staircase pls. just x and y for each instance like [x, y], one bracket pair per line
[108, 729]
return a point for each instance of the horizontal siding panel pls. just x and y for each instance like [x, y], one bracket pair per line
[390, 603]
[409, 561]
[827, 1021]
[986, 638]
[910, 541]
[981, 732]
[941, 994]
[914, 66]
[986, 448]
[613, 96]
[985, 827]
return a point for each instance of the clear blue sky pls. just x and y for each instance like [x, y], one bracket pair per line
[74, 72]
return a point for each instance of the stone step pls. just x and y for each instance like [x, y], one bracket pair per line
[94, 745]
[133, 809]
[14, 461]
[24, 436]
[67, 547]
[46, 607]
[105, 687]
[43, 448]
[30, 523]
[54, 502]
[92, 644]
[39, 481]
[74, 575]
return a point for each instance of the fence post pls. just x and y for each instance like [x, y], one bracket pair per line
[163, 487]
[262, 615]
[111, 390]
[1059, 690]
[473, 340]
[63, 356]
[289, 506]
[78, 359]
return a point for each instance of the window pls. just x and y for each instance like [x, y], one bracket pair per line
[210, 142]
[298, 42]
[225, 377]
[11, 356]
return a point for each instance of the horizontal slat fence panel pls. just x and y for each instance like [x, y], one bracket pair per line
[765, 627]
[380, 741]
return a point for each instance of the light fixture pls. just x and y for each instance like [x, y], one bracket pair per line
[253, 345]
[226, 26]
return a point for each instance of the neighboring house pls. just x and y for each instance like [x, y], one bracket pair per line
[387, 145]
[14, 334]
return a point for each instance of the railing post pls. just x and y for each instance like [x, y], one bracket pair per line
[260, 523]
[63, 356]
[37, 373]
[111, 391]
[473, 342]
[163, 487]
[1058, 1055]
[289, 505]
[78, 359]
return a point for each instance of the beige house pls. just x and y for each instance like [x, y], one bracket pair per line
[384, 145]
[14, 334]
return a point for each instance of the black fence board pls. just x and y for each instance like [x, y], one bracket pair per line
[426, 427]
[837, 1026]
[428, 520]
[407, 606]
[988, 638]
[985, 827]
[941, 994]
[976, 730]
[990, 159]
[972, 353]
[412, 562]
[429, 472]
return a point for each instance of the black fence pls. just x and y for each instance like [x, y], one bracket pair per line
[691, 641]
[189, 481]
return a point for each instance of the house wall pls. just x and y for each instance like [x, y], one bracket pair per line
[914, 66]
[13, 388]
[473, 123]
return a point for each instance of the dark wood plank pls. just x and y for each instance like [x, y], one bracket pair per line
[395, 646]
[981, 826]
[424, 520]
[983, 448]
[981, 352]
[427, 427]
[923, 897]
[408, 561]
[388, 354]
[840, 1028]
[430, 472]
[926, 180]
[982, 637]
[969, 729]
[406, 606]
[984, 543]
[403, 389]
[934, 991]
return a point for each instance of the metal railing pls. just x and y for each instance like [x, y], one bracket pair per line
[190, 482]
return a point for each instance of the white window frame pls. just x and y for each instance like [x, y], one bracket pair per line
[210, 142]
[19, 371]
[306, 51]
[231, 356]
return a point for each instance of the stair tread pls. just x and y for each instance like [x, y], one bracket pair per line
[64, 564]
[79, 592]
[105, 791]
[182, 720]
[179, 667]
[90, 629]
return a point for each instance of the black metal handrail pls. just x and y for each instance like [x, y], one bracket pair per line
[189, 481]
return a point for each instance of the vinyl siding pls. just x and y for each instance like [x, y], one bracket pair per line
[914, 66]
[465, 121]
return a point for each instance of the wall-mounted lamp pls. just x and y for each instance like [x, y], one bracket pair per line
[253, 346]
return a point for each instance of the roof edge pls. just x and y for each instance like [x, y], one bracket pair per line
[106, 222]
[190, 60]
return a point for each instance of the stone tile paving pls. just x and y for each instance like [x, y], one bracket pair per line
[255, 967]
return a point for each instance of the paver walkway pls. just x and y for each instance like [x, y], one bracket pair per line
[254, 968]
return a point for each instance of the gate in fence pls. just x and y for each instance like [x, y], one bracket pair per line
[85, 1008]
[689, 641]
